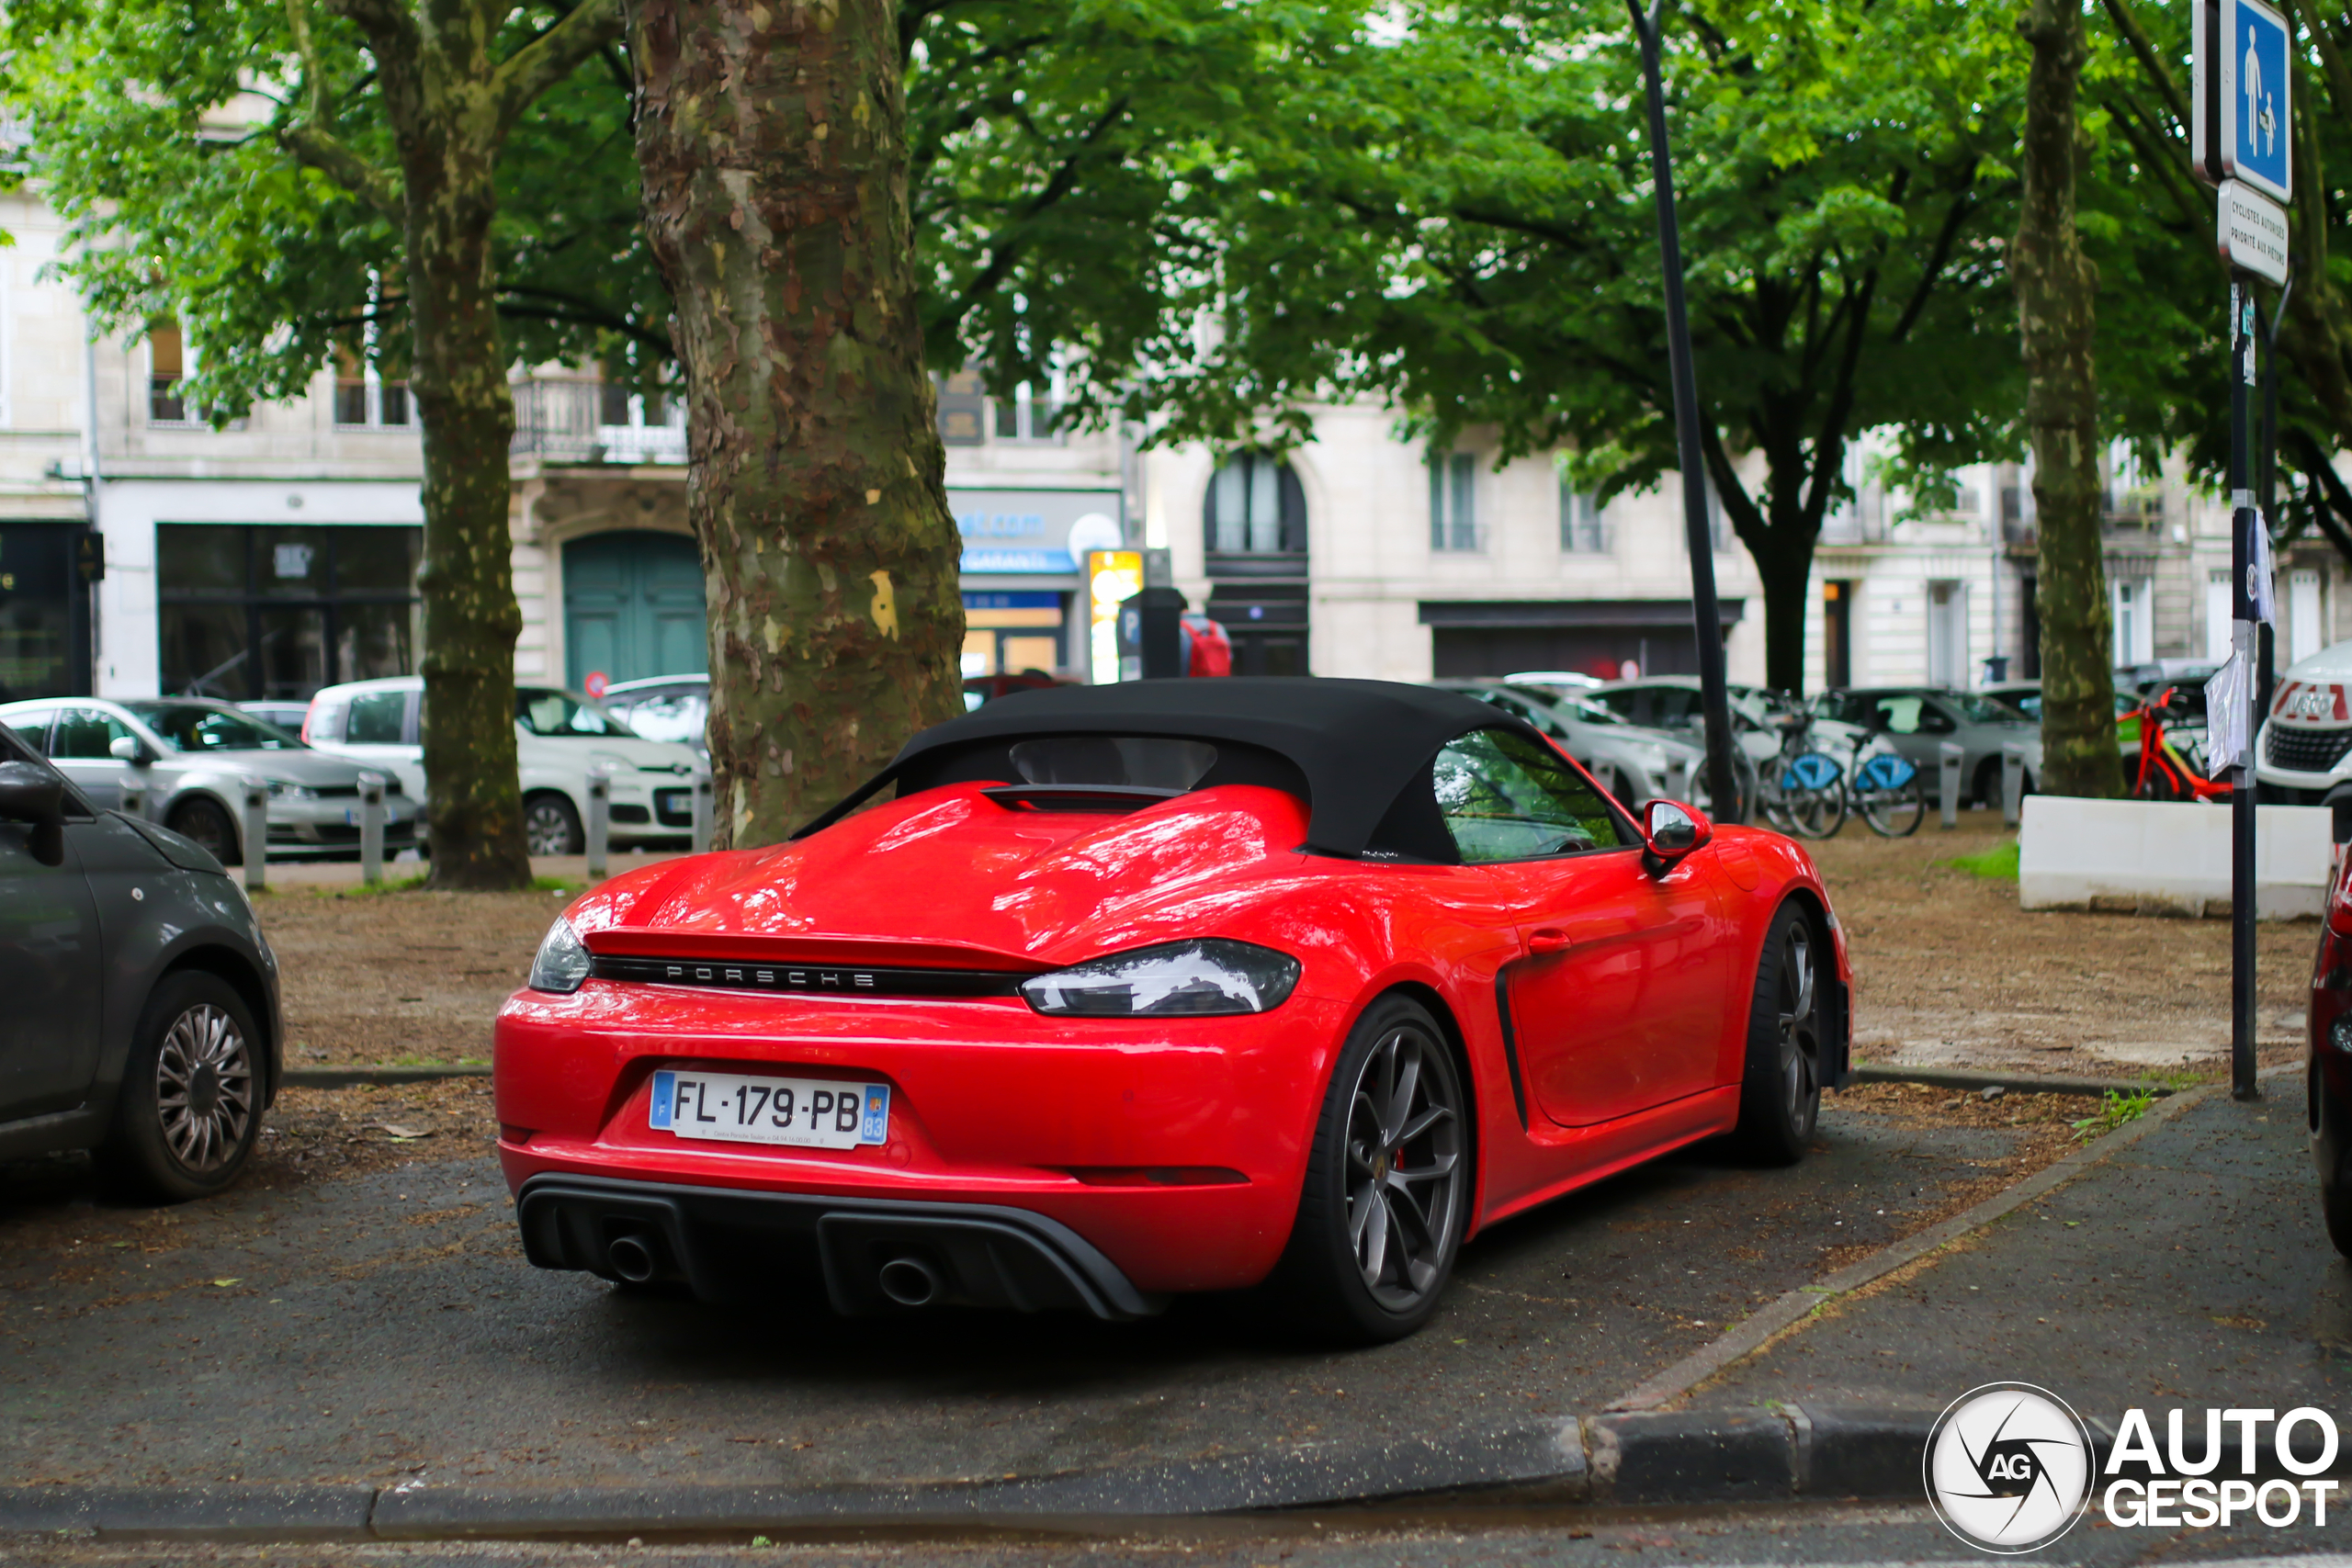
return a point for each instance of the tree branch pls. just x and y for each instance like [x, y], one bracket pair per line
[552, 56]
[2149, 60]
[307, 139]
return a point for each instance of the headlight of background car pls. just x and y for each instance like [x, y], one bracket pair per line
[563, 961]
[281, 790]
[1179, 978]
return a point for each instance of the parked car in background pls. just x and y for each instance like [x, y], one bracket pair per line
[1633, 764]
[2303, 751]
[979, 689]
[1563, 682]
[559, 736]
[194, 758]
[675, 709]
[2025, 698]
[1671, 702]
[1918, 720]
[287, 715]
[143, 999]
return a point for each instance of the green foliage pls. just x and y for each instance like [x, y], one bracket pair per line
[2115, 1110]
[162, 134]
[1998, 863]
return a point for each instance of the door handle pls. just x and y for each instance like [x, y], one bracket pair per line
[1548, 939]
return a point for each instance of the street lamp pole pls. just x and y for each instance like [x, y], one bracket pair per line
[1722, 784]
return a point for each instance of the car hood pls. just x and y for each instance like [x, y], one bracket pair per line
[313, 768]
[2329, 665]
[951, 879]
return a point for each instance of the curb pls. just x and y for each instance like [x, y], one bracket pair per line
[1787, 1453]
[2015, 1083]
[354, 1078]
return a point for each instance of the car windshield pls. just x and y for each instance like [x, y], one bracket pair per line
[194, 727]
[1982, 710]
[1570, 705]
[561, 716]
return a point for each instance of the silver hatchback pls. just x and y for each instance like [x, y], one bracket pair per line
[194, 759]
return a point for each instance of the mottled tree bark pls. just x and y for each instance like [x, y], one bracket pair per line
[452, 103]
[2057, 287]
[772, 136]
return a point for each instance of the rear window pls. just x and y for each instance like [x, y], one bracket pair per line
[376, 718]
[561, 716]
[1149, 761]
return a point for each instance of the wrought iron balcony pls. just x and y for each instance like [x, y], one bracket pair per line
[596, 422]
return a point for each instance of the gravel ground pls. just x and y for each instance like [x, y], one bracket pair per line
[1950, 972]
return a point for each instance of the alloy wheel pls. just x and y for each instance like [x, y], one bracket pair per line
[1799, 1028]
[204, 1088]
[1405, 1176]
[547, 828]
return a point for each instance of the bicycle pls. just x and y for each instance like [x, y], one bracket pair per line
[1801, 792]
[2166, 772]
[1884, 789]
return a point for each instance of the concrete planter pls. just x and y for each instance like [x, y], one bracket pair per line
[2147, 857]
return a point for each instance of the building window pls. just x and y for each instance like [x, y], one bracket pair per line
[1584, 527]
[963, 409]
[250, 612]
[1454, 502]
[1254, 510]
[362, 399]
[166, 367]
[2135, 621]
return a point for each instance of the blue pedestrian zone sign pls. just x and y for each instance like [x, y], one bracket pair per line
[2256, 146]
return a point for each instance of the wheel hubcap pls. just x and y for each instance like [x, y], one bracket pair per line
[549, 832]
[204, 1088]
[1800, 1035]
[1405, 1174]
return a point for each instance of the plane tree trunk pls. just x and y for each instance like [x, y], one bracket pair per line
[771, 135]
[2057, 288]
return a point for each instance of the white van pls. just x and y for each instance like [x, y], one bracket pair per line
[559, 736]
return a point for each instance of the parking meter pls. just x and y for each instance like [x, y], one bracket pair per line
[256, 850]
[703, 804]
[600, 818]
[2012, 782]
[1948, 782]
[1151, 646]
[371, 829]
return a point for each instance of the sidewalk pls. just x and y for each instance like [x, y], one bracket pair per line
[2188, 1270]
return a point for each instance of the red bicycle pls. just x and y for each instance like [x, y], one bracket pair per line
[2166, 771]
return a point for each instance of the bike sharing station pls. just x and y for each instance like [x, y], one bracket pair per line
[2153, 857]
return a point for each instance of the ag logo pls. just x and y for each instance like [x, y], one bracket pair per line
[2008, 1467]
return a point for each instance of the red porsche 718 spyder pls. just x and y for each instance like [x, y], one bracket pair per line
[1167, 987]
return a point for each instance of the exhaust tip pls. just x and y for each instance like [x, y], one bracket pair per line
[909, 1282]
[631, 1259]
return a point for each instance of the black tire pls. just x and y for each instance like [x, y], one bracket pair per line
[2335, 1204]
[189, 1111]
[550, 827]
[1380, 1173]
[1780, 1093]
[209, 825]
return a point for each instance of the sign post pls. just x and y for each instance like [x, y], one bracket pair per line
[2241, 139]
[1714, 694]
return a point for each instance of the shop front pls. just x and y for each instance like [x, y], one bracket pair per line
[251, 611]
[1023, 608]
[44, 611]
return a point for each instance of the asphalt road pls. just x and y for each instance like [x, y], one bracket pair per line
[1818, 1536]
[383, 1326]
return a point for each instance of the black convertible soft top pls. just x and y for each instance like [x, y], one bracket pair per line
[1351, 748]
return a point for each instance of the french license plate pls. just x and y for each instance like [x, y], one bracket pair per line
[825, 1113]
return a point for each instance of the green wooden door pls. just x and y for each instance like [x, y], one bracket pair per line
[632, 607]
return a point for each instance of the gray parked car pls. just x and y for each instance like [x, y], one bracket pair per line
[1917, 720]
[195, 757]
[143, 999]
[1636, 764]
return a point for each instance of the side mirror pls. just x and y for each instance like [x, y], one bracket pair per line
[1671, 831]
[34, 795]
[131, 750]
